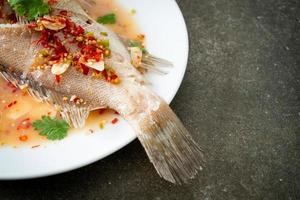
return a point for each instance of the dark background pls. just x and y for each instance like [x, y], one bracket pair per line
[239, 99]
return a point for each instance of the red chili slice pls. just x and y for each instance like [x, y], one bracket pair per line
[32, 25]
[11, 104]
[114, 121]
[24, 124]
[85, 69]
[63, 12]
[23, 138]
[57, 78]
[52, 2]
[101, 111]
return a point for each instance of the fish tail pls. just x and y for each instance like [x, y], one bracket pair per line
[170, 147]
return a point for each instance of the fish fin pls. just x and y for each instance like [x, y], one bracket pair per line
[75, 115]
[86, 3]
[21, 20]
[73, 6]
[174, 154]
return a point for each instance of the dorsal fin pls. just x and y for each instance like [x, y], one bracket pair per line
[74, 6]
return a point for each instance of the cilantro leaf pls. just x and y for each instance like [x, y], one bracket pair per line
[133, 43]
[107, 19]
[31, 9]
[52, 128]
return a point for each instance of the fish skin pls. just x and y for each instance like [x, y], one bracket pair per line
[171, 149]
[117, 47]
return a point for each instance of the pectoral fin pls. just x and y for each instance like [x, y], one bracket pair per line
[74, 114]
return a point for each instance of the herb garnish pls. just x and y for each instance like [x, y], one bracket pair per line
[133, 43]
[52, 128]
[107, 19]
[31, 9]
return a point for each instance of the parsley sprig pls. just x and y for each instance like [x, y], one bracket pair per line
[31, 9]
[107, 19]
[52, 128]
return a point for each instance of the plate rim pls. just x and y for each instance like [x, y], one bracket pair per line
[129, 139]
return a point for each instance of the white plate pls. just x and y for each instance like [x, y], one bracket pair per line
[164, 26]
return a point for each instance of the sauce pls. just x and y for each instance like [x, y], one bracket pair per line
[18, 110]
[125, 24]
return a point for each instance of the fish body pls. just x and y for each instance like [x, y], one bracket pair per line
[168, 144]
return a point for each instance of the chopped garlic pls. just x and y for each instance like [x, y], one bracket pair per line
[23, 87]
[73, 97]
[55, 26]
[60, 68]
[136, 56]
[96, 65]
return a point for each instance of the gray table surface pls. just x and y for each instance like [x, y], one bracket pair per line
[239, 99]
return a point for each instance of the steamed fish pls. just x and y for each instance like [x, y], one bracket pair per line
[78, 66]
